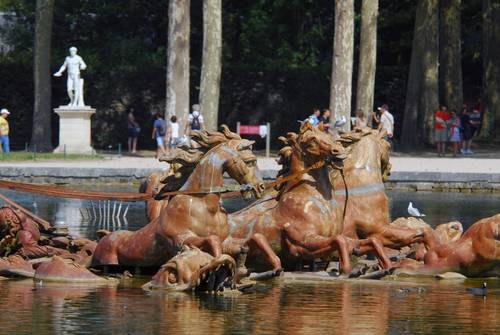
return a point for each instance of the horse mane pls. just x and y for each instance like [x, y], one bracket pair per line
[183, 159]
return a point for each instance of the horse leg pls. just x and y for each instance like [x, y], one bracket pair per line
[236, 248]
[210, 244]
[372, 244]
[316, 245]
[260, 242]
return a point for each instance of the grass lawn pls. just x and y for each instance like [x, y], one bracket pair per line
[29, 156]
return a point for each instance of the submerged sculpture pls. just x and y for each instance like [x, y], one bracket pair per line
[193, 269]
[476, 253]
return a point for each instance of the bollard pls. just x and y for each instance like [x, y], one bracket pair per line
[34, 152]
[25, 146]
[64, 154]
[119, 149]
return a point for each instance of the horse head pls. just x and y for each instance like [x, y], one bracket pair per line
[224, 151]
[243, 166]
[312, 146]
[368, 149]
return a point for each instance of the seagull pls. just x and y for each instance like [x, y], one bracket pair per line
[414, 211]
[478, 291]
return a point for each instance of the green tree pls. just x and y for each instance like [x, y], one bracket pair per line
[41, 134]
[178, 60]
[491, 70]
[342, 61]
[422, 94]
[367, 57]
[211, 62]
[450, 54]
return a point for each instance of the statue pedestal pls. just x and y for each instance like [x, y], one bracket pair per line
[74, 129]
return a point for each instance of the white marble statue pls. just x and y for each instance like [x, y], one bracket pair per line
[73, 63]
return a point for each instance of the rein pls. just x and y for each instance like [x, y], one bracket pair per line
[295, 175]
[63, 192]
[346, 196]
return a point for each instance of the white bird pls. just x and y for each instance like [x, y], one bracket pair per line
[340, 122]
[414, 211]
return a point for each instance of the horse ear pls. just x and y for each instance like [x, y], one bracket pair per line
[321, 126]
[291, 136]
[306, 125]
[245, 144]
[283, 140]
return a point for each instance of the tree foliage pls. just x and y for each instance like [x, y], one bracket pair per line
[276, 59]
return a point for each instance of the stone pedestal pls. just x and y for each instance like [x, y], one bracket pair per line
[74, 129]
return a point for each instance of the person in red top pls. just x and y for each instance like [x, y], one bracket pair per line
[440, 129]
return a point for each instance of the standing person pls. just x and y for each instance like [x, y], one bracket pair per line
[361, 120]
[133, 132]
[465, 131]
[475, 120]
[325, 118]
[159, 132]
[195, 120]
[173, 132]
[314, 117]
[386, 121]
[4, 130]
[454, 131]
[441, 116]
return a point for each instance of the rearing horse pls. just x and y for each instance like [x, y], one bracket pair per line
[303, 220]
[194, 218]
[367, 213]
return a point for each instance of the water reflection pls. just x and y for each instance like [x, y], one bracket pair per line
[356, 307]
[439, 207]
[360, 307]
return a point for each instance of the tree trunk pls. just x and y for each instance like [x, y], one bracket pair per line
[41, 134]
[343, 47]
[422, 92]
[450, 54]
[211, 62]
[367, 57]
[491, 70]
[178, 61]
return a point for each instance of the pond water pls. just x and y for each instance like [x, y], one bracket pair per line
[344, 307]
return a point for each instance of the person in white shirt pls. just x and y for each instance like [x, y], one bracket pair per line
[386, 121]
[195, 120]
[173, 137]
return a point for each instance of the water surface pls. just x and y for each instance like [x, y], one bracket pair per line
[413, 306]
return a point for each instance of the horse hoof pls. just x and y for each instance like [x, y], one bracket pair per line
[357, 252]
[266, 275]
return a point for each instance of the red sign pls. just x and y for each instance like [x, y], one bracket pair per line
[250, 130]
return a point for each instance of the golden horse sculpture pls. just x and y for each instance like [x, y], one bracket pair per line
[196, 219]
[367, 207]
[476, 253]
[305, 219]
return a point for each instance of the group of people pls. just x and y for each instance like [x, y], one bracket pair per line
[381, 120]
[456, 129]
[4, 131]
[165, 133]
[320, 116]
